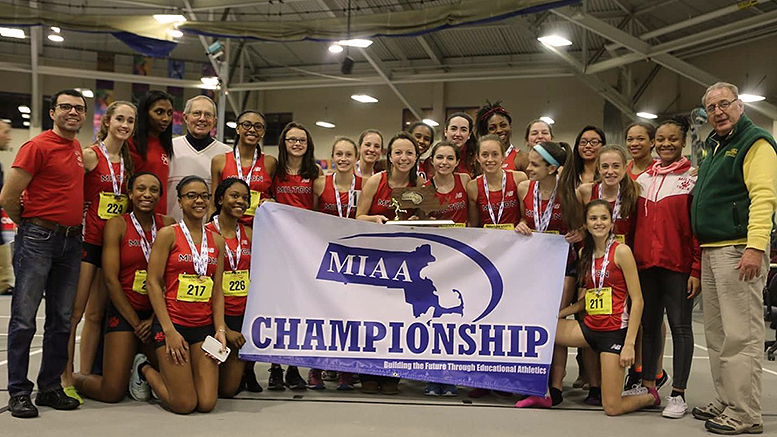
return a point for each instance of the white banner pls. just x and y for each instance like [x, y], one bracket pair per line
[464, 306]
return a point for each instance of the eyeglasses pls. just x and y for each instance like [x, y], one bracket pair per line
[67, 107]
[198, 114]
[195, 196]
[292, 140]
[594, 142]
[247, 125]
[723, 105]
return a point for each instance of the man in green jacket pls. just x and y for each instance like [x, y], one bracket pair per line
[733, 206]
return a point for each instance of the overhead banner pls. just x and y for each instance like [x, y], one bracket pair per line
[463, 306]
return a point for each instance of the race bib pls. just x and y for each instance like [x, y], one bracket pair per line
[455, 225]
[502, 226]
[620, 238]
[139, 283]
[551, 232]
[235, 283]
[255, 197]
[194, 288]
[598, 302]
[111, 205]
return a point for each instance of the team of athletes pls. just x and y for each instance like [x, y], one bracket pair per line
[168, 285]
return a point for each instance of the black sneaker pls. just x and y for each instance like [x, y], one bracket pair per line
[276, 379]
[633, 380]
[293, 379]
[249, 379]
[21, 406]
[664, 379]
[56, 399]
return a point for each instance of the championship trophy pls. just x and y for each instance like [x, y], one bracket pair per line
[420, 199]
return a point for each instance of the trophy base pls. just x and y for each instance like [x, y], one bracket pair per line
[424, 223]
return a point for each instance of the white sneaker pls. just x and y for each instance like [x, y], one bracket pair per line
[636, 391]
[675, 407]
[138, 387]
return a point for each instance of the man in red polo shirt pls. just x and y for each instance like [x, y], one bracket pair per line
[49, 173]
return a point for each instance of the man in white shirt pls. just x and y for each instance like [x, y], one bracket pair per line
[192, 152]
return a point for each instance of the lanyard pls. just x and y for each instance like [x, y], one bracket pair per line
[351, 193]
[542, 219]
[145, 246]
[232, 263]
[116, 186]
[420, 171]
[509, 150]
[616, 210]
[200, 260]
[498, 218]
[358, 168]
[605, 261]
[240, 166]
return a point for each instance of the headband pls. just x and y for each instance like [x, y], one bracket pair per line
[546, 156]
[493, 110]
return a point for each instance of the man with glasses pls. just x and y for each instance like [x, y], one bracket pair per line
[733, 205]
[192, 153]
[49, 170]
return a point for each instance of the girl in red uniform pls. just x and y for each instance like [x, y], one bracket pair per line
[297, 168]
[458, 130]
[608, 272]
[493, 198]
[449, 185]
[108, 166]
[232, 198]
[494, 119]
[184, 285]
[549, 205]
[337, 193]
[640, 139]
[127, 244]
[424, 136]
[374, 204]
[370, 153]
[151, 146]
[538, 131]
[256, 168]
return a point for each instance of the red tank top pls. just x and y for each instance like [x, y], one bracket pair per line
[294, 191]
[457, 202]
[327, 203]
[260, 180]
[511, 212]
[425, 169]
[234, 305]
[556, 219]
[622, 228]
[509, 162]
[381, 201]
[132, 259]
[462, 167]
[96, 181]
[191, 314]
[156, 162]
[630, 166]
[613, 278]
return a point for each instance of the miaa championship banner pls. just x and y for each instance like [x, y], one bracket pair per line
[463, 306]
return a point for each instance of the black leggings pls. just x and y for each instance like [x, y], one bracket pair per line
[665, 289]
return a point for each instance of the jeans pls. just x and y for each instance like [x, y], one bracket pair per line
[43, 260]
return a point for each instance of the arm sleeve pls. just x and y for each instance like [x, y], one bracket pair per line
[760, 171]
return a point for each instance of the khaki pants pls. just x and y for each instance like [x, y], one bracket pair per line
[6, 270]
[734, 327]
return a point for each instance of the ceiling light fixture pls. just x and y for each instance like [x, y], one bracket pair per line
[430, 122]
[26, 116]
[336, 48]
[24, 109]
[325, 124]
[647, 115]
[548, 120]
[364, 98]
[170, 18]
[86, 92]
[210, 82]
[55, 29]
[175, 33]
[361, 43]
[10, 32]
[55, 37]
[232, 125]
[554, 41]
[749, 98]
[26, 124]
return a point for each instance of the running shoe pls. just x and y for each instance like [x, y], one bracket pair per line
[535, 402]
[71, 392]
[370, 387]
[433, 389]
[707, 412]
[449, 390]
[390, 387]
[315, 381]
[276, 379]
[138, 386]
[665, 378]
[593, 398]
[636, 391]
[633, 380]
[727, 425]
[294, 380]
[330, 375]
[345, 381]
[675, 407]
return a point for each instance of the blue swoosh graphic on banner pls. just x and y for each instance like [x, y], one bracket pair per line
[497, 286]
